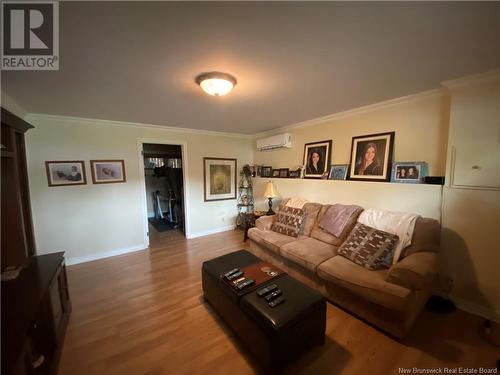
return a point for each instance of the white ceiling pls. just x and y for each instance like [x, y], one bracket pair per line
[294, 61]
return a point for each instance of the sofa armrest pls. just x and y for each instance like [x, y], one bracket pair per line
[415, 271]
[265, 222]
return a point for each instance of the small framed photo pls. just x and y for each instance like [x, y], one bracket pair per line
[371, 157]
[266, 171]
[64, 173]
[108, 171]
[412, 172]
[219, 179]
[338, 172]
[294, 174]
[276, 173]
[284, 172]
[317, 158]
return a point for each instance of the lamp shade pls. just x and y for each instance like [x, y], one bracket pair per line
[271, 191]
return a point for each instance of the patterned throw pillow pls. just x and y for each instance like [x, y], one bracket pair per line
[288, 221]
[369, 247]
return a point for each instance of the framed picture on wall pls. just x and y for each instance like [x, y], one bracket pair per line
[371, 157]
[412, 172]
[108, 171]
[64, 173]
[219, 179]
[317, 157]
[338, 172]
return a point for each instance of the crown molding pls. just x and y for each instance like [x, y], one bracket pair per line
[71, 119]
[352, 112]
[472, 79]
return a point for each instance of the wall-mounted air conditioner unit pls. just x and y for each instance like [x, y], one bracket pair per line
[275, 142]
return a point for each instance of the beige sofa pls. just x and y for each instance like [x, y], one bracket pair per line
[389, 299]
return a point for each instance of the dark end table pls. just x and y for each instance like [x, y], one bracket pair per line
[248, 221]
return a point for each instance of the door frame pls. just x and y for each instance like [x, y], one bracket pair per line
[142, 182]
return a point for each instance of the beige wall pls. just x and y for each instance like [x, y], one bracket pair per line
[420, 123]
[471, 215]
[422, 199]
[90, 220]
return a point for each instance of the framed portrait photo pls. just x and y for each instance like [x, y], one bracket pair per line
[317, 157]
[64, 173]
[219, 179]
[371, 157]
[338, 172]
[108, 171]
[412, 172]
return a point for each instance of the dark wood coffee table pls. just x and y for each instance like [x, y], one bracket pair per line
[274, 336]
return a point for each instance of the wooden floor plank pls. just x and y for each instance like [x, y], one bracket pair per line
[143, 313]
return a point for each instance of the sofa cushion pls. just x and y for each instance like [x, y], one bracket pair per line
[308, 252]
[288, 221]
[370, 285]
[311, 211]
[426, 237]
[369, 247]
[269, 239]
[322, 235]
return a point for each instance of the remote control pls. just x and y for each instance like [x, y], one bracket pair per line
[237, 281]
[273, 295]
[276, 302]
[244, 284]
[267, 289]
[234, 270]
[235, 275]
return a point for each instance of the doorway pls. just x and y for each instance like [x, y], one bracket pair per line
[164, 191]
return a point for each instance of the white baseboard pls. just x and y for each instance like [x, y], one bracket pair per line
[106, 254]
[212, 231]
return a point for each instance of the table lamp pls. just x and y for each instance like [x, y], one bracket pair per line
[270, 193]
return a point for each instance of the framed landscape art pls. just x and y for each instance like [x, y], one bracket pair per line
[219, 179]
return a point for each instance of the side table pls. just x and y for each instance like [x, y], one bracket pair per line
[248, 221]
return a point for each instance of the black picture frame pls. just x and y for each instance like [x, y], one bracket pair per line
[266, 171]
[323, 149]
[381, 145]
[276, 173]
[284, 172]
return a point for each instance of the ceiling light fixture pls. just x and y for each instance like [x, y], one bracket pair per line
[216, 83]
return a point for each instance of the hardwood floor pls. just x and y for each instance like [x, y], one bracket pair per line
[143, 313]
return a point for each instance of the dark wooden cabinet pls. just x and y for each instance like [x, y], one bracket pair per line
[35, 313]
[36, 304]
[17, 229]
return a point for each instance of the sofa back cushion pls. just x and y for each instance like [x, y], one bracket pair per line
[426, 237]
[311, 211]
[322, 235]
[369, 247]
[288, 221]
